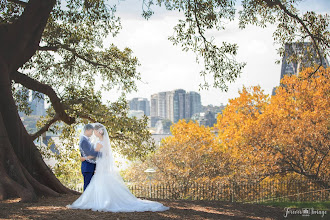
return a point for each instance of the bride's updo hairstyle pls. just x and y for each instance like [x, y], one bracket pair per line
[99, 128]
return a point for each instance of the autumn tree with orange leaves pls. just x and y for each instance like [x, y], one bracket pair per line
[287, 133]
[295, 126]
[234, 124]
[191, 155]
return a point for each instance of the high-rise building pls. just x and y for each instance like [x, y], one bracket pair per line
[179, 99]
[188, 106]
[193, 104]
[38, 103]
[140, 104]
[162, 105]
[154, 105]
[154, 110]
[169, 105]
[175, 105]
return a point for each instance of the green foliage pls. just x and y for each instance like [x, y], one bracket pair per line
[190, 33]
[21, 96]
[79, 68]
[65, 155]
[291, 26]
[193, 33]
[130, 136]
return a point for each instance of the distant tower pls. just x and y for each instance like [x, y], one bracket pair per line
[154, 105]
[140, 104]
[175, 105]
[195, 105]
[154, 110]
[169, 106]
[300, 50]
[162, 105]
[188, 106]
[294, 67]
[179, 100]
[38, 104]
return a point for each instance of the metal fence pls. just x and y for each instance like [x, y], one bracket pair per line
[253, 191]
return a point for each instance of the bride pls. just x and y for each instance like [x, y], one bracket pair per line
[107, 190]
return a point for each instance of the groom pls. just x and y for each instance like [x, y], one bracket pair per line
[87, 152]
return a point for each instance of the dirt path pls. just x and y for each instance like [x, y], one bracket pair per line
[54, 208]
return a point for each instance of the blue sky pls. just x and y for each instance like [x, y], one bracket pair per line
[166, 67]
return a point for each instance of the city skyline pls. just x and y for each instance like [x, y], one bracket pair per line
[172, 105]
[146, 97]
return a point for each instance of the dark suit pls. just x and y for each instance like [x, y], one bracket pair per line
[87, 168]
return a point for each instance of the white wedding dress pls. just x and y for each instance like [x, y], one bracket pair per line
[107, 190]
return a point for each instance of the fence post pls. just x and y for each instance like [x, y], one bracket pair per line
[232, 192]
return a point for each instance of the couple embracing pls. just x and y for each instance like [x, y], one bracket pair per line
[104, 188]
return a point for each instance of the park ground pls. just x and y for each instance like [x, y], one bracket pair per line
[55, 208]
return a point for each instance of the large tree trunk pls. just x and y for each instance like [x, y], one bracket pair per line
[22, 169]
[23, 172]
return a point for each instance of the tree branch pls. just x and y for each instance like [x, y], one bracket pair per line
[272, 3]
[47, 48]
[22, 38]
[198, 25]
[45, 127]
[118, 136]
[319, 166]
[87, 117]
[19, 2]
[313, 160]
[75, 53]
[45, 89]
